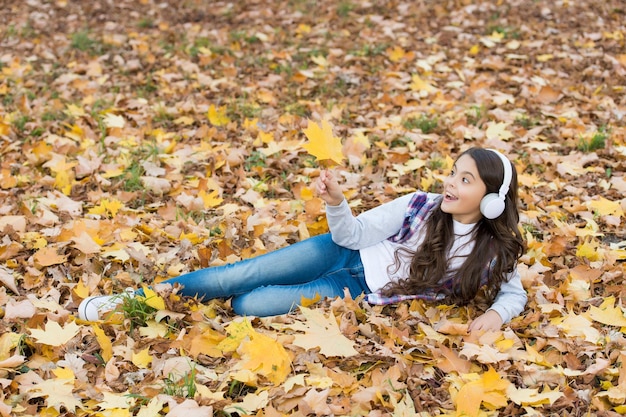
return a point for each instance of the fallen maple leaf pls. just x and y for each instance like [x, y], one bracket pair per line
[265, 356]
[532, 396]
[608, 313]
[49, 256]
[606, 207]
[59, 393]
[323, 332]
[217, 116]
[489, 388]
[54, 334]
[153, 299]
[322, 143]
[498, 131]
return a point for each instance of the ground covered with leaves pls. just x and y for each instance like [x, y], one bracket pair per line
[141, 139]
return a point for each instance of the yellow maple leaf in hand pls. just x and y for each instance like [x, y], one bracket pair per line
[322, 143]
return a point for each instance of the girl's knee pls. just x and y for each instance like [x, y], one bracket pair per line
[252, 305]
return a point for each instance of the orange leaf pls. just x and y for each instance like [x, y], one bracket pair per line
[48, 256]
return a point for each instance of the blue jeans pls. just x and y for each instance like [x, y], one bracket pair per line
[274, 283]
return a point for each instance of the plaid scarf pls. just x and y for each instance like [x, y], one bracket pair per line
[417, 211]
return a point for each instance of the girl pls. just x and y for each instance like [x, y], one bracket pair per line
[440, 247]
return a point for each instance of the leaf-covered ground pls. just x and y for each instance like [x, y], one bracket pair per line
[141, 139]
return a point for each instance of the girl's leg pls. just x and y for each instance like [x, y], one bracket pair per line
[272, 300]
[299, 263]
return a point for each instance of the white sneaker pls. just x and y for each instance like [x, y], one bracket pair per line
[98, 306]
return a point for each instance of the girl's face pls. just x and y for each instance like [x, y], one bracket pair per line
[463, 190]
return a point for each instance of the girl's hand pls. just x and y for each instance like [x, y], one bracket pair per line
[328, 188]
[490, 321]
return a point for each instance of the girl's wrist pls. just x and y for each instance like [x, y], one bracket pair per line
[334, 203]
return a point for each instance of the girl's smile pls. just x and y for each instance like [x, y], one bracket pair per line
[463, 191]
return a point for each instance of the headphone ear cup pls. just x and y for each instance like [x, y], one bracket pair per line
[492, 206]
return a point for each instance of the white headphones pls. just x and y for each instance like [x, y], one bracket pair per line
[492, 205]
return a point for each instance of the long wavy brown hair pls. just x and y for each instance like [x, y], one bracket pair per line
[498, 239]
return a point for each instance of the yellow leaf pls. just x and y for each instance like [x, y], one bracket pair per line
[532, 396]
[395, 54]
[418, 84]
[64, 373]
[608, 313]
[489, 389]
[307, 302]
[206, 342]
[218, 117]
[142, 358]
[606, 207]
[48, 256]
[105, 343]
[59, 393]
[498, 131]
[579, 326]
[469, 399]
[74, 111]
[210, 200]
[237, 332]
[54, 334]
[323, 332]
[116, 403]
[588, 250]
[322, 144]
[153, 299]
[81, 290]
[266, 137]
[265, 356]
[153, 408]
[152, 329]
[8, 342]
[113, 120]
[5, 128]
[107, 206]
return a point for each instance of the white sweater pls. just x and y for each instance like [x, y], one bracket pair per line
[369, 233]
